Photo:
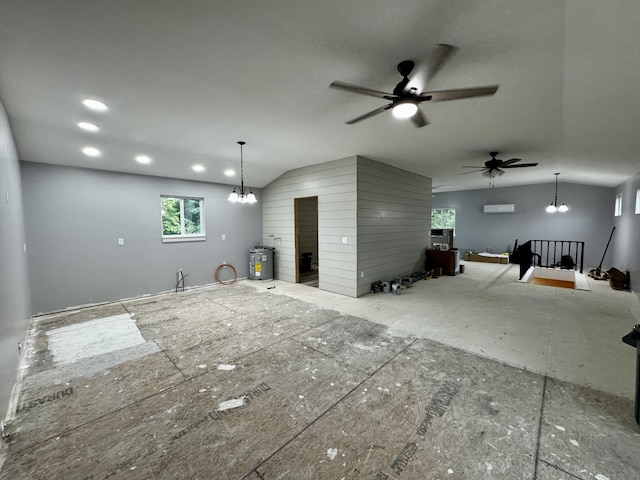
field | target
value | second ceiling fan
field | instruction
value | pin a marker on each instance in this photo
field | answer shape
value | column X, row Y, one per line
column 494, row 167
column 405, row 100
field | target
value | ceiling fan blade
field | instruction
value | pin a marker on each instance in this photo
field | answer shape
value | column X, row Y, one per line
column 520, row 165
column 471, row 171
column 441, row 56
column 509, row 162
column 419, row 120
column 362, row 90
column 456, row 94
column 472, row 166
column 370, row 114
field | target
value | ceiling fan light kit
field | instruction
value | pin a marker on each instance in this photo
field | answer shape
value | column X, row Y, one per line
column 405, row 101
column 404, row 110
column 554, row 207
column 242, row 194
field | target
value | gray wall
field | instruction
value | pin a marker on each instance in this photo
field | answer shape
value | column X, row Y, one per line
column 14, row 283
column 334, row 183
column 625, row 245
column 74, row 218
column 590, row 218
column 394, row 215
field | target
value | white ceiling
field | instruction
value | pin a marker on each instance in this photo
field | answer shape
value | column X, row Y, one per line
column 185, row 80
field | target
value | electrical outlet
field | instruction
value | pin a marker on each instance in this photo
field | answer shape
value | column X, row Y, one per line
column 121, row 241
column 361, row 274
column 344, row 240
column 223, row 237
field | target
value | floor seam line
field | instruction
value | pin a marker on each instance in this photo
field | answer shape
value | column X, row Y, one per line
column 172, row 362
column 331, row 407
column 537, row 455
column 561, row 469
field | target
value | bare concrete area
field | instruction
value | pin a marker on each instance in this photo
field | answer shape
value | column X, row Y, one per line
column 246, row 382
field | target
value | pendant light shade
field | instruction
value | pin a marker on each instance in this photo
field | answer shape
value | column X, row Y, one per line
column 554, row 207
column 242, row 194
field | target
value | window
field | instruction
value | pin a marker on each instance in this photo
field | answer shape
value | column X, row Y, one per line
column 182, row 219
column 638, row 201
column 618, row 208
column 443, row 218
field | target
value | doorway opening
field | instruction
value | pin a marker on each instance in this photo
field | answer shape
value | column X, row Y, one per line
column 306, row 227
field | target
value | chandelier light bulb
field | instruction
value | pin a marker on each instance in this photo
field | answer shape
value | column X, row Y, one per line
column 233, row 196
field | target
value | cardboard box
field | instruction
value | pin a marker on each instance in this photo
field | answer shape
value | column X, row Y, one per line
column 618, row 280
column 474, row 257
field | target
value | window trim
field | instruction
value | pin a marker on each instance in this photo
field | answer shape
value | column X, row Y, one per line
column 184, row 237
column 444, row 208
column 638, row 201
column 617, row 209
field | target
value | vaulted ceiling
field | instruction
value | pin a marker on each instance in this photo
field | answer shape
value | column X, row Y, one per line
column 184, row 81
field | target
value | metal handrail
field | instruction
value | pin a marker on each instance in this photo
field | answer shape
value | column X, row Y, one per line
column 554, row 250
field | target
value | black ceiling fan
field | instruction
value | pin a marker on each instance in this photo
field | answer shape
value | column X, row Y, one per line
column 495, row 167
column 405, row 100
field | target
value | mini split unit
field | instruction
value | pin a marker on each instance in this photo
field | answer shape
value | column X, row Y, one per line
column 502, row 208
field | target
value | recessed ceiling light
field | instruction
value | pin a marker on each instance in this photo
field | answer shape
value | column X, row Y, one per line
column 198, row 168
column 95, row 105
column 89, row 127
column 229, row 172
column 143, row 159
column 91, row 152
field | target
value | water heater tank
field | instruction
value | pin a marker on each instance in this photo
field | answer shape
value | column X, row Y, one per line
column 261, row 263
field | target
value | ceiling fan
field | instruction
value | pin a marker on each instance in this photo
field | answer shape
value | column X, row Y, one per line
column 405, row 100
column 494, row 167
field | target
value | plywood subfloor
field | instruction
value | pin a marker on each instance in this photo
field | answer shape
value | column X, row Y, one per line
column 316, row 395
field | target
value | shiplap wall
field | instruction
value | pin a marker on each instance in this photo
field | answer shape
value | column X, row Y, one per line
column 393, row 219
column 334, row 183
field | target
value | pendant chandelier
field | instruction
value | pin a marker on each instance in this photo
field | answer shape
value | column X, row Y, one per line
column 242, row 194
column 554, row 205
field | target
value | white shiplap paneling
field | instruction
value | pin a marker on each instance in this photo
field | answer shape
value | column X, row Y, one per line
column 393, row 217
column 383, row 213
column 334, row 183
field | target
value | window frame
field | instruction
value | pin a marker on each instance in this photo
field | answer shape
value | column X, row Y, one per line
column 183, row 236
column 440, row 227
column 617, row 209
column 638, row 201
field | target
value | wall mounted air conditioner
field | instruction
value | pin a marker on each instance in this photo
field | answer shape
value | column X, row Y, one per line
column 501, row 208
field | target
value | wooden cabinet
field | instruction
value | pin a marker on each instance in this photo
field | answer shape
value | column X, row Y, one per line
column 448, row 260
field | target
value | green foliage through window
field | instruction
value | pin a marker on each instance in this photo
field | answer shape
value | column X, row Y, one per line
column 443, row 218
column 182, row 216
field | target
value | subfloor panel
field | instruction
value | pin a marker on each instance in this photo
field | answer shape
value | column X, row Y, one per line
column 231, row 383
column 431, row 412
